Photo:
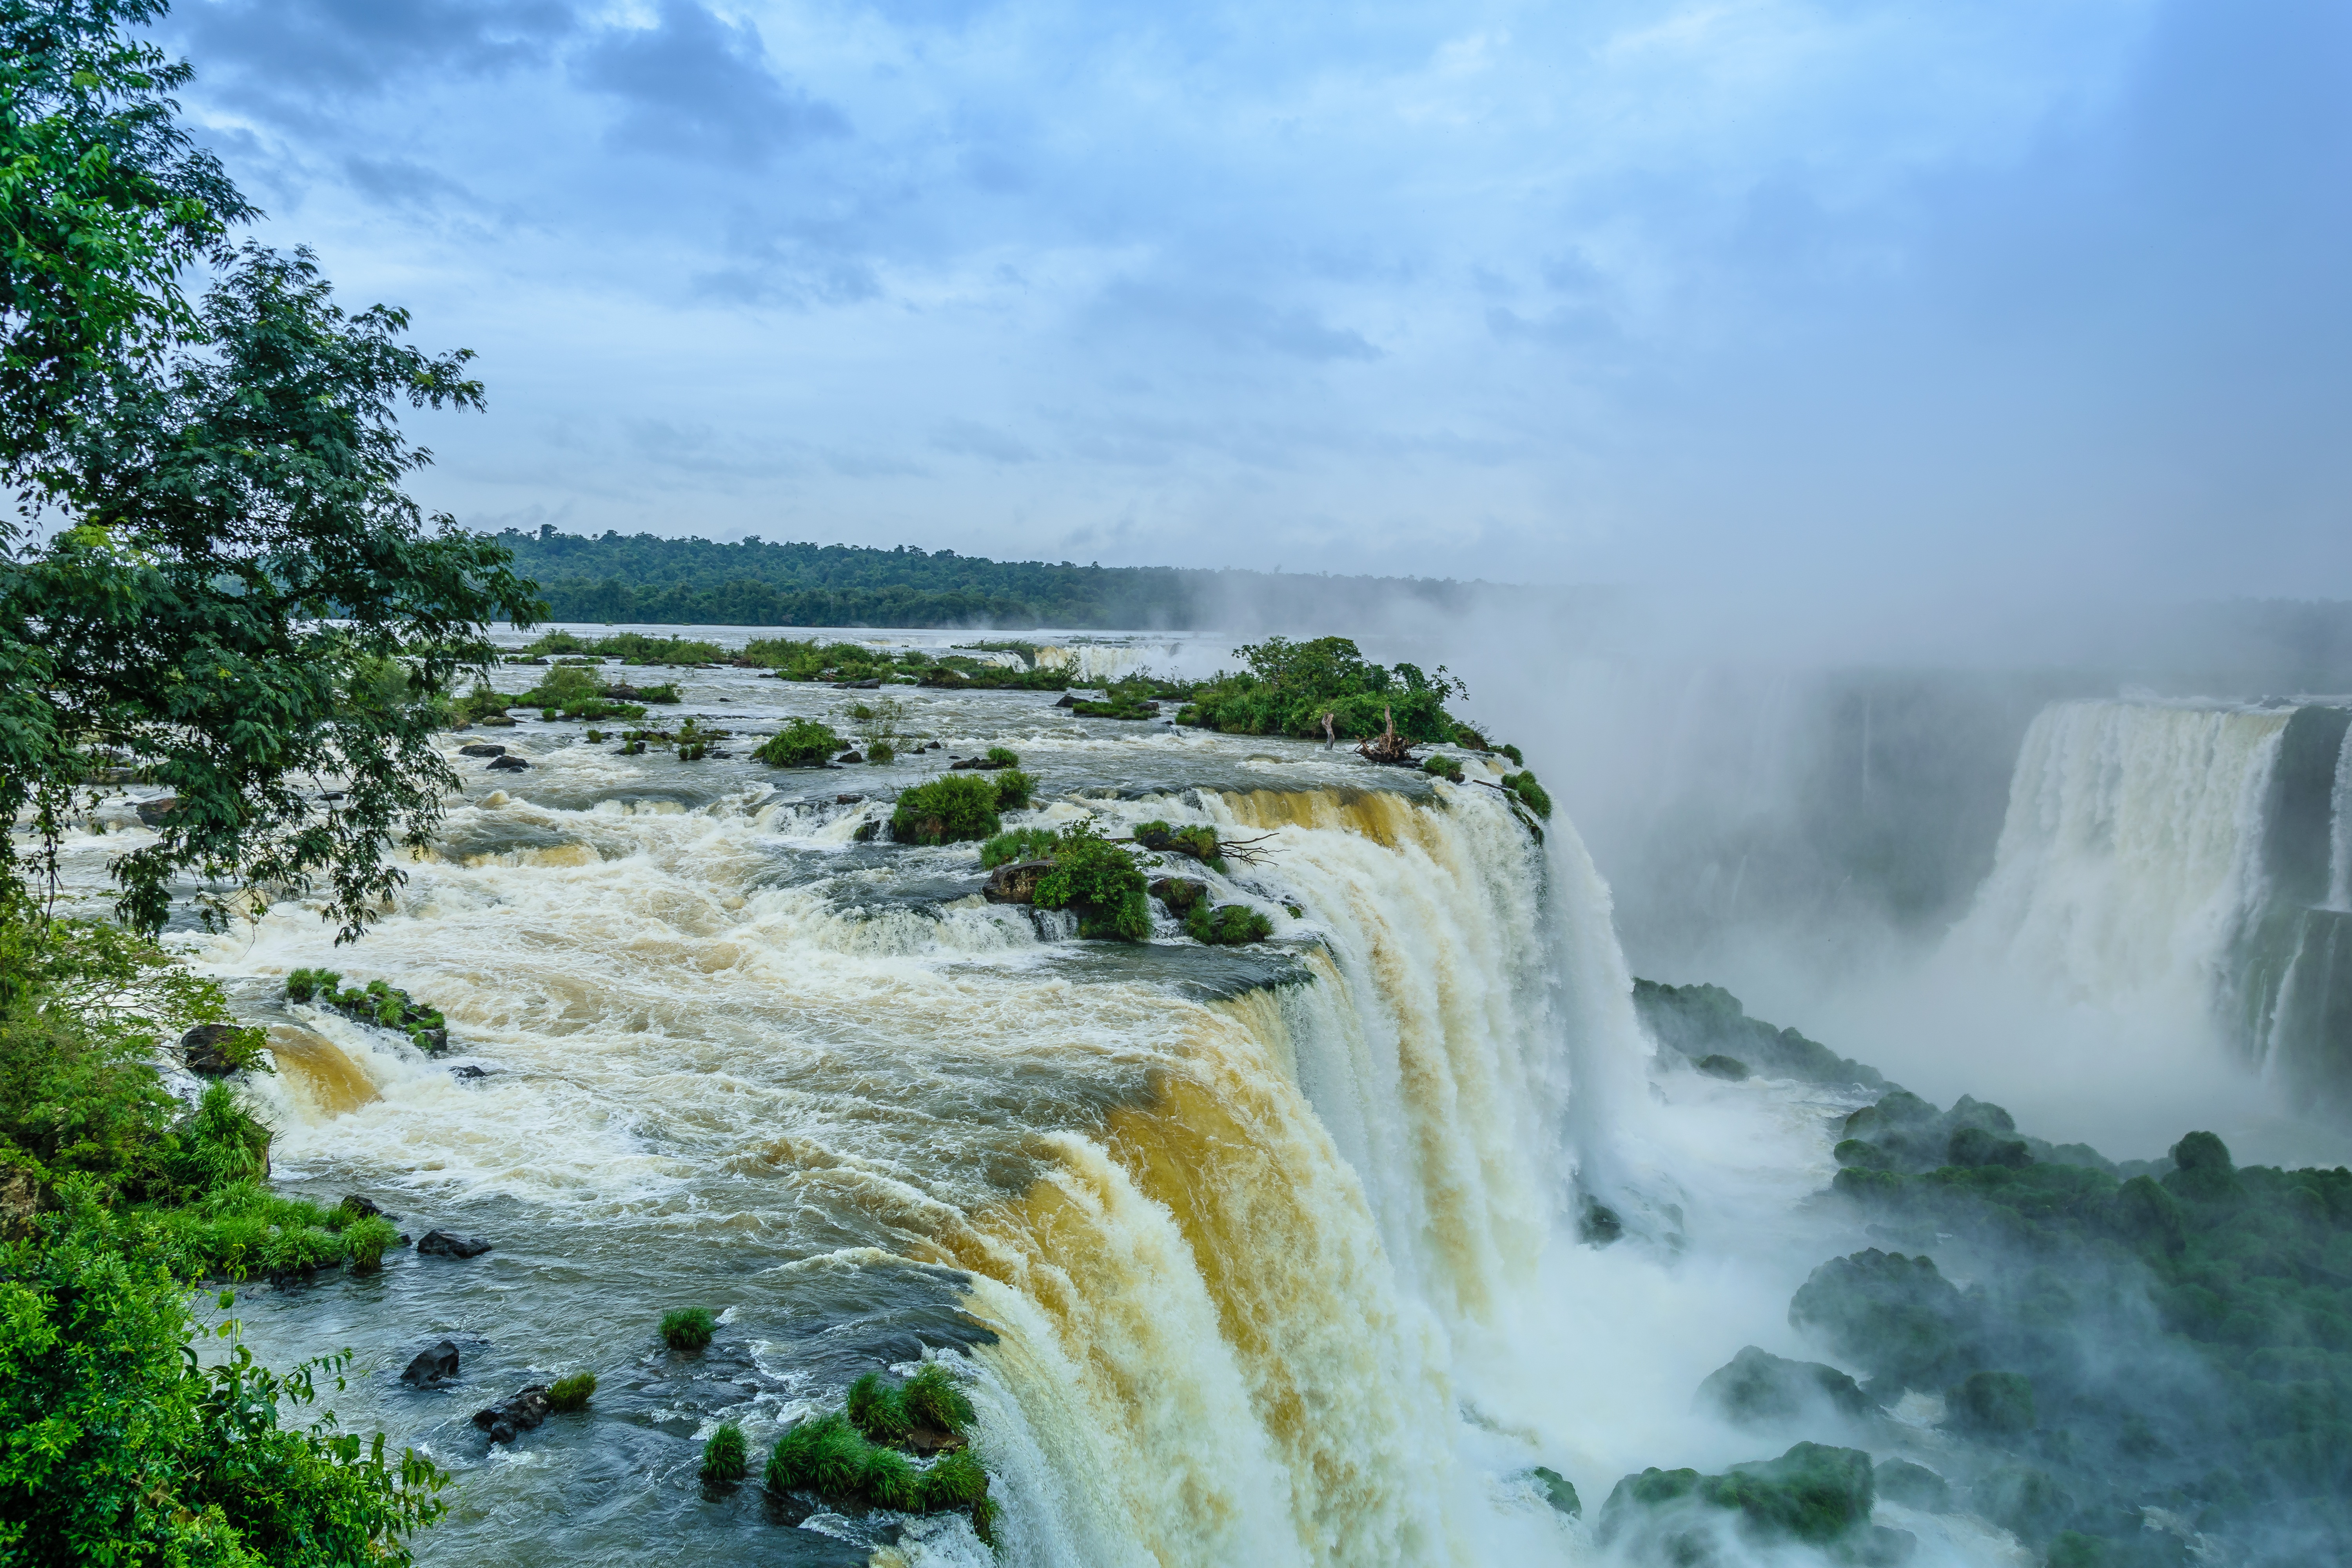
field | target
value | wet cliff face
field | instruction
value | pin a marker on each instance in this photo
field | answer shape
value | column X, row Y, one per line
column 1214, row 1229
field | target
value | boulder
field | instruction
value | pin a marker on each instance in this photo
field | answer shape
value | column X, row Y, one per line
column 206, row 1049
column 467, row 1069
column 1178, row 893
column 1727, row 1068
column 1757, row 1387
column 362, row 1208
column 496, row 722
column 508, row 764
column 482, row 749
column 852, row 757
column 432, row 1042
column 154, row 812
column 1017, row 883
column 509, row 1418
column 847, row 799
column 1067, row 702
column 448, row 1244
column 1895, row 1316
column 1558, row 1491
column 1912, row 1485
column 434, row 1363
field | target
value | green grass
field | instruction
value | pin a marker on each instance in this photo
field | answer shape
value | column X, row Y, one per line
column 1227, row 925
column 1446, row 768
column 852, row 1452
column 879, row 1409
column 572, row 1391
column 689, row 1329
column 1523, row 785
column 1100, row 881
column 952, row 810
column 725, row 1457
column 803, row 744
column 932, row 1399
column 1020, row 844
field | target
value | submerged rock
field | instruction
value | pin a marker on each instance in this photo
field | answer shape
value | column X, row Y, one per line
column 1758, row 1387
column 447, row 1244
column 509, row 1419
column 436, row 1363
column 364, row 1208
column 155, row 813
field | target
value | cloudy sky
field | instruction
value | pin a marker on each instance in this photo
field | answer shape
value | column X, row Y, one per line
column 1748, row 291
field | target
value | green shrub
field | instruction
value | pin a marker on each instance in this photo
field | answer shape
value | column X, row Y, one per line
column 724, row 1456
column 665, row 692
column 301, row 984
column 881, row 752
column 1020, row 844
column 365, row 1241
column 480, row 703
column 1513, row 752
column 1227, row 925
column 932, row 1399
column 1523, row 785
column 1001, row 757
column 1100, row 881
column 1290, row 686
column 572, row 1391
column 803, row 744
column 1013, row 789
column 689, row 1329
column 632, row 648
column 951, row 810
column 1447, row 768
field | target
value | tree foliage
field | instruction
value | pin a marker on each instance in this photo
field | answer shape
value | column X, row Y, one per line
column 1292, row 688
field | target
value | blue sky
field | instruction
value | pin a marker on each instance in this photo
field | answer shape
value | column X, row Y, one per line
column 1758, row 293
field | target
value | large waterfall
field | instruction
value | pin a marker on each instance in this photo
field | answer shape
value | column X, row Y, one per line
column 1227, row 1238
column 2185, row 856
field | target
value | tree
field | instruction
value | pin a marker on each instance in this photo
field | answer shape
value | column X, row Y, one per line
column 236, row 595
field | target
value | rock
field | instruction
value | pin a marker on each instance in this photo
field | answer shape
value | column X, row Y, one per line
column 1990, row 1404
column 622, row 692
column 447, row 1244
column 204, row 1048
column 1893, row 1315
column 1067, row 702
column 1813, row 1493
column 2028, row 1502
column 928, row 1441
column 1757, row 1387
column 432, row 1042
column 508, row 764
column 1722, row 1066
column 1598, row 1223
column 1017, row 883
column 847, row 799
column 853, row 757
column 363, row 1207
column 436, row 1363
column 1178, row 893
column 507, row 1419
column 496, row 722
column 154, row 812
column 934, row 746
column 482, row 749
column 1912, row 1485
column 22, row 1200
column 467, row 1069
column 1558, row 1491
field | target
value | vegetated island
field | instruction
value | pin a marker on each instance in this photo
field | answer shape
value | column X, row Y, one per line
column 646, row 578
column 2151, row 1366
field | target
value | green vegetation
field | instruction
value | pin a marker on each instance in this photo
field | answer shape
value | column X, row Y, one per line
column 726, row 1458
column 1450, row 769
column 1013, row 790
column 1813, row 1493
column 1227, row 925
column 376, row 1002
column 1099, row 881
column 803, row 744
column 951, row 810
column 1702, row 1021
column 629, row 648
column 689, row 1329
column 1133, row 698
column 571, row 1391
column 1001, row 757
column 960, row 672
column 1523, row 785
column 855, row 1454
column 697, row 581
column 1021, row 843
column 1199, row 841
column 1291, row 688
column 571, row 692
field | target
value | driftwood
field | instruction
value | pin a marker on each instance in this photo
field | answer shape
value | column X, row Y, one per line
column 1246, row 850
column 1388, row 746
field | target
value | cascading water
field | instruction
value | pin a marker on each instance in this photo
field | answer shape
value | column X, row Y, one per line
column 1213, row 1229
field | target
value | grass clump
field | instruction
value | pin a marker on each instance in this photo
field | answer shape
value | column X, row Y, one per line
column 572, row 1391
column 1001, row 757
column 1531, row 794
column 855, row 1453
column 1199, row 841
column 932, row 1399
column 1130, row 699
column 725, row 1457
column 803, row 744
column 1227, row 925
column 1013, row 789
column 384, row 1006
column 1446, row 768
column 1020, row 844
column 951, row 810
column 689, row 1329
column 1099, row 881
column 879, row 1409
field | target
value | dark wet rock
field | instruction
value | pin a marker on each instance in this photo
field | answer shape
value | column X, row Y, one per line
column 448, row 1244
column 1559, row 1491
column 331, row 794
column 510, row 1417
column 1706, row 1020
column 929, row 1441
column 482, row 749
column 1912, row 1485
column 155, row 813
column 1757, row 1387
column 1727, row 1068
column 364, row 1208
column 206, row 1049
column 466, row 1070
column 847, row 799
column 432, row 1042
column 1598, row 1223
column 1178, row 893
column 508, row 764
column 1067, row 702
column 433, row 1364
column 1017, row 883
column 853, row 757
column 984, row 765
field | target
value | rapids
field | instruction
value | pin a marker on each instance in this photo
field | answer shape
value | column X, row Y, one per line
column 1225, row 1241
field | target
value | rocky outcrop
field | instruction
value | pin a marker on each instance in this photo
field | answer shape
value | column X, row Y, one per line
column 448, row 1244
column 482, row 749
column 510, row 764
column 215, row 1050
column 509, row 1419
column 433, row 1364
column 1758, row 1388
column 1017, row 883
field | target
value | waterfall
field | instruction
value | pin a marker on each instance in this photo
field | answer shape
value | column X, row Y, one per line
column 2130, row 860
column 2339, row 845
column 1230, row 1243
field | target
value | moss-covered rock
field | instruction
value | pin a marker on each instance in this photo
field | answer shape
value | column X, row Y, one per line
column 1758, row 1388
column 1990, row 1404
column 1729, row 1068
column 1814, row 1494
column 1558, row 1491
column 1701, row 1021
column 1897, row 1316
column 1912, row 1485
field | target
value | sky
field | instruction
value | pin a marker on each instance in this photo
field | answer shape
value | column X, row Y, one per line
column 1762, row 295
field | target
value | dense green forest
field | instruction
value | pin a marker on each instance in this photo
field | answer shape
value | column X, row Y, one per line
column 693, row 582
